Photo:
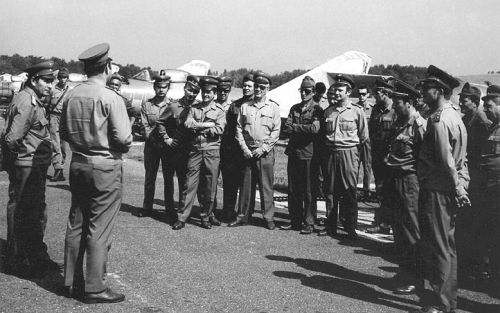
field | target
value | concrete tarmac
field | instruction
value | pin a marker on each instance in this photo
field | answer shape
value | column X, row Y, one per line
column 244, row 269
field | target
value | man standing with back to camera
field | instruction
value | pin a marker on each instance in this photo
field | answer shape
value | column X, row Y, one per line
column 95, row 123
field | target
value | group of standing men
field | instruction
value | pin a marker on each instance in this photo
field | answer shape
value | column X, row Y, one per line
column 418, row 159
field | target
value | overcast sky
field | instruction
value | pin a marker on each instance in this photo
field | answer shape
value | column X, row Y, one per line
column 462, row 37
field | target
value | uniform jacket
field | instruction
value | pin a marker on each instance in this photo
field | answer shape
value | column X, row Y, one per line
column 27, row 130
column 206, row 138
column 344, row 127
column 56, row 103
column 367, row 108
column 405, row 142
column 442, row 163
column 477, row 126
column 170, row 124
column 379, row 127
column 302, row 127
column 150, row 112
column 228, row 141
column 258, row 125
column 94, row 122
column 490, row 153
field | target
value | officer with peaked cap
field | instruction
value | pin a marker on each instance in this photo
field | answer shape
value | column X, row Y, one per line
column 343, row 129
column 405, row 141
column 257, row 131
column 55, row 109
column 224, row 86
column 177, row 142
column 379, row 126
column 443, row 178
column 151, row 110
column 477, row 126
column 231, row 155
column 302, row 127
column 490, row 164
column 206, row 120
column 27, row 150
column 94, row 122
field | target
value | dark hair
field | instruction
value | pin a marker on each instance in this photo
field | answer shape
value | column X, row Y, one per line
column 94, row 69
column 363, row 86
column 320, row 87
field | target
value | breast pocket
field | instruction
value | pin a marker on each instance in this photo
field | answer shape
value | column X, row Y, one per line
column 211, row 116
column 347, row 124
column 40, row 123
column 402, row 144
column 152, row 119
column 494, row 144
column 386, row 123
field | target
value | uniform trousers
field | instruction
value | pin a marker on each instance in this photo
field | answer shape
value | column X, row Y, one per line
column 437, row 216
column 380, row 171
column 59, row 146
column 365, row 162
column 259, row 171
column 96, row 197
column 26, row 214
column 490, row 218
column 300, row 191
column 153, row 154
column 201, row 180
column 341, row 177
column 404, row 207
column 175, row 164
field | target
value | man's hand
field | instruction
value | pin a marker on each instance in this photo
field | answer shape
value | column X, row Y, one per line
column 463, row 201
column 170, row 142
column 247, row 154
column 257, row 153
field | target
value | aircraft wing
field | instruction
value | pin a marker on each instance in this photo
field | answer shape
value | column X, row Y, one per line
column 196, row 67
column 351, row 62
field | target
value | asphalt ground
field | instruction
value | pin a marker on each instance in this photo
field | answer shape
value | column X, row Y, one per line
column 244, row 269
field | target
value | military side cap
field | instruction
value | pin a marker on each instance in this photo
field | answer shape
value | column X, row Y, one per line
column 193, row 82
column 208, row 82
column 224, row 82
column 44, row 68
column 493, row 91
column 162, row 79
column 402, row 89
column 468, row 90
column 308, row 82
column 262, row 78
column 439, row 78
column 384, row 84
column 96, row 55
column 343, row 80
column 248, row 77
column 63, row 72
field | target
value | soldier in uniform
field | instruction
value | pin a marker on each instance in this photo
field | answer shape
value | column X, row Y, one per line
column 115, row 83
column 27, row 150
column 223, row 89
column 404, row 145
column 177, row 140
column 257, row 131
column 365, row 157
column 344, row 129
column 319, row 95
column 231, row 155
column 379, row 127
column 55, row 109
column 302, row 126
column 206, row 120
column 443, row 179
column 490, row 165
column 95, row 124
column 468, row 222
column 154, row 151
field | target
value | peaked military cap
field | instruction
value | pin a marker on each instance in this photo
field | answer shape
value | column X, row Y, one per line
column 403, row 90
column 161, row 79
column 96, row 55
column 262, row 78
column 208, row 82
column 193, row 82
column 492, row 92
column 344, row 80
column 468, row 90
column 224, row 82
column 63, row 72
column 439, row 78
column 308, row 82
column 116, row 76
column 248, row 77
column 383, row 83
column 44, row 69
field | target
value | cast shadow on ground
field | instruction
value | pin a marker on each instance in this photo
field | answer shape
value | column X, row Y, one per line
column 59, row 186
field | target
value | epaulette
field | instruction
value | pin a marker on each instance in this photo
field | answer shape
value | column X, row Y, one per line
column 420, row 121
column 456, row 107
column 33, row 100
column 220, row 106
column 271, row 100
column 358, row 105
column 436, row 116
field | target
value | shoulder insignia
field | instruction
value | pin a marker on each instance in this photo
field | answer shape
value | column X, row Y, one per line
column 436, row 116
column 33, row 100
column 357, row 105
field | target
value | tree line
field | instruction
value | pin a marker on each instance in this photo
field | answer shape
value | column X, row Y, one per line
column 16, row 63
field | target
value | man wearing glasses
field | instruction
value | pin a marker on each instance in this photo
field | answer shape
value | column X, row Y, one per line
column 365, row 155
column 257, row 132
column 302, row 126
